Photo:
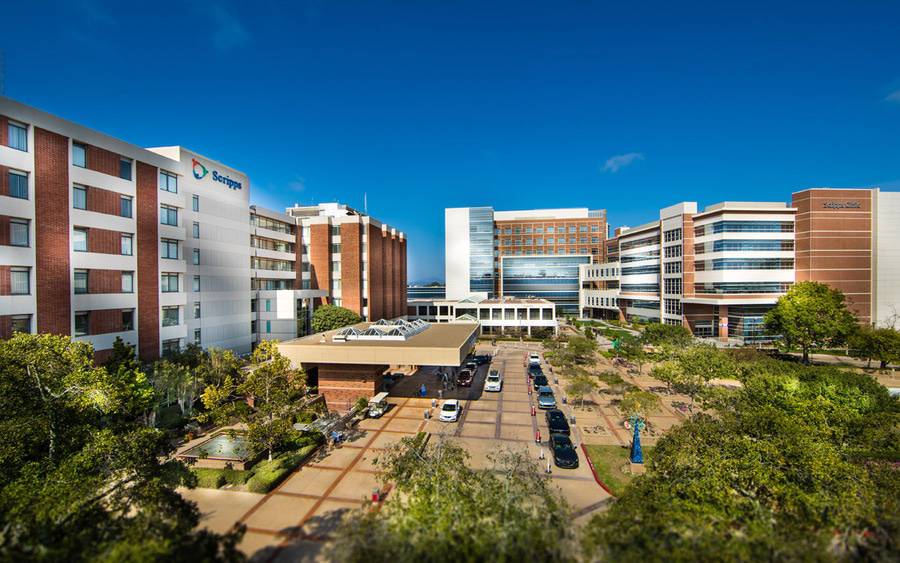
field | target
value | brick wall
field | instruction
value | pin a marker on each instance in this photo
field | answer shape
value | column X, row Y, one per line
column 5, row 282
column 4, row 130
column 105, row 321
column 376, row 274
column 102, row 160
column 398, row 308
column 51, row 209
column 342, row 383
column 104, row 241
column 104, row 281
column 320, row 256
column 4, row 178
column 298, row 257
column 403, row 280
column 4, row 230
column 102, row 201
column 387, row 275
column 147, row 214
column 351, row 277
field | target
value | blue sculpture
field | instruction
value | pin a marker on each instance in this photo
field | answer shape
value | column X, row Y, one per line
column 637, row 454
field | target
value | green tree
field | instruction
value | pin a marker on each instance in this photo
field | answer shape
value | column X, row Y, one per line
column 179, row 381
column 631, row 348
column 639, row 403
column 788, row 469
column 658, row 334
column 80, row 477
column 580, row 386
column 330, row 317
column 443, row 510
column 693, row 368
column 880, row 344
column 811, row 315
column 275, row 389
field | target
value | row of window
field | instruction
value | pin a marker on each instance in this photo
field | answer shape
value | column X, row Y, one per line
column 602, row 302
column 672, row 235
column 170, row 282
column 745, row 227
column 734, row 245
column 636, row 270
column 271, row 244
column 550, row 251
column 672, row 286
column 17, row 136
column 79, row 201
column 548, row 229
column 271, row 224
column 640, row 288
column 81, row 284
column 648, row 255
column 672, row 306
column 672, row 267
column 746, row 264
column 672, row 251
column 271, row 264
column 549, row 241
column 17, row 183
column 647, row 241
column 83, row 321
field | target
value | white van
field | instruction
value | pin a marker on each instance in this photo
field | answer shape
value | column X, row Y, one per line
column 534, row 359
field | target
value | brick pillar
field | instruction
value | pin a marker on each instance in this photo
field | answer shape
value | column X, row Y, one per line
column 376, row 274
column 147, row 216
column 351, row 277
column 387, row 294
column 399, row 308
column 320, row 257
column 403, row 283
column 51, row 215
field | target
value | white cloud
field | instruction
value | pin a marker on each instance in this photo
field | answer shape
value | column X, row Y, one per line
column 893, row 97
column 229, row 32
column 298, row 184
column 614, row 163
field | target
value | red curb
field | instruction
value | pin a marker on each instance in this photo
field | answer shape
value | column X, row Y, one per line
column 594, row 472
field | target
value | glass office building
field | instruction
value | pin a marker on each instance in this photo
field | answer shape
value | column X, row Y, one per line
column 554, row 278
column 481, row 250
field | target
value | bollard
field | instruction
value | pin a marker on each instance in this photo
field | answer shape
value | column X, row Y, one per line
column 533, row 412
column 542, row 454
column 548, row 468
column 529, row 389
column 433, row 403
column 427, row 414
column 537, row 436
column 376, row 495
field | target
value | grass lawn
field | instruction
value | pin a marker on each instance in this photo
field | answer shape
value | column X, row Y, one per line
column 261, row 478
column 609, row 462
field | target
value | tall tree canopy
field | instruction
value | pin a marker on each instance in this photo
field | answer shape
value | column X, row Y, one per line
column 798, row 464
column 80, row 476
column 811, row 315
column 331, row 317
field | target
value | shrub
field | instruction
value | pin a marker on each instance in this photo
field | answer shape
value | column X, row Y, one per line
column 268, row 474
column 208, row 478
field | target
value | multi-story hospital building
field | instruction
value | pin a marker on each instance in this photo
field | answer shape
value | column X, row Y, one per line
column 101, row 239
column 719, row 270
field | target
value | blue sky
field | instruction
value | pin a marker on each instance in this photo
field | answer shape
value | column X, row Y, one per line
column 627, row 106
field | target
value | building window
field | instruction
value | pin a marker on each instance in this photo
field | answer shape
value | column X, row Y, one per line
column 195, row 257
column 81, row 324
column 79, row 197
column 20, row 323
column 197, row 336
column 18, row 136
column 170, row 316
column 19, row 232
column 335, row 285
column 335, row 248
column 305, row 284
column 168, row 215
column 81, row 281
column 196, row 309
column 196, row 230
column 169, row 283
column 128, row 319
column 195, row 203
column 268, row 305
column 168, row 249
column 672, row 251
column 80, row 240
column 168, row 182
column 125, row 168
column 336, row 267
column 196, row 284
column 171, row 347
column 79, row 155
column 268, row 326
column 127, row 282
column 125, row 206
column 18, row 185
column 335, row 230
column 19, row 281
column 127, row 245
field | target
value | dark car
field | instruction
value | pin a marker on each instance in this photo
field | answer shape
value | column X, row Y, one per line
column 556, row 422
column 540, row 381
column 535, row 370
column 564, row 454
column 482, row 359
column 464, row 379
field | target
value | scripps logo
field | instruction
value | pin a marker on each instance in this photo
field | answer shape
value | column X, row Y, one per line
column 200, row 171
column 842, row 205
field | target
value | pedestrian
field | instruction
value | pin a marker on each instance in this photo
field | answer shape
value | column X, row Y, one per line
column 423, row 390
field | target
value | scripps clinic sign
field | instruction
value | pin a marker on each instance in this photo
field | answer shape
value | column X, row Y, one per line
column 842, row 205
column 201, row 172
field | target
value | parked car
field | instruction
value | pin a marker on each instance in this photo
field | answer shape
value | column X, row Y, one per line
column 482, row 359
column 494, row 381
column 557, row 423
column 535, row 370
column 472, row 366
column 464, row 379
column 540, row 381
column 564, row 454
column 450, row 411
column 534, row 359
column 546, row 400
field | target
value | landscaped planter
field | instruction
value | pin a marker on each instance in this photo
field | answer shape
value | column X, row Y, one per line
column 221, row 450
